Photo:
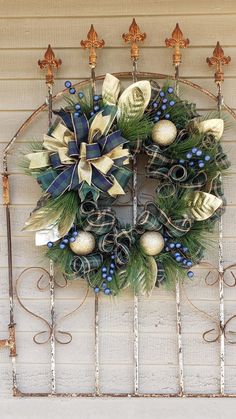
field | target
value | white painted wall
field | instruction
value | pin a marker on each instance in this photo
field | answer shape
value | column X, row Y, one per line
column 26, row 27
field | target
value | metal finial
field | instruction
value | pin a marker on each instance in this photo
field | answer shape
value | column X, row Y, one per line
column 134, row 36
column 218, row 60
column 49, row 62
column 92, row 42
column 177, row 41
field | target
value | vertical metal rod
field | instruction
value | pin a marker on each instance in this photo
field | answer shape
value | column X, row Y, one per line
column 93, row 82
column 179, row 335
column 136, row 301
column 97, row 366
column 221, row 279
column 177, row 295
column 52, row 273
column 11, row 326
column 96, row 301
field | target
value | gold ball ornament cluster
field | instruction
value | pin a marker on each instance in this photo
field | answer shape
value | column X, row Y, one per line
column 164, row 132
column 152, row 243
column 84, row 243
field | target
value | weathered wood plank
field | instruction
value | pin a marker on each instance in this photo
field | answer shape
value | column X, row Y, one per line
column 29, row 94
column 107, row 8
column 32, row 33
column 74, row 62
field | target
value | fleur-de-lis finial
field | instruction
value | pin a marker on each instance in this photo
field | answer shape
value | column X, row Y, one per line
column 134, row 36
column 177, row 41
column 92, row 42
column 218, row 60
column 49, row 62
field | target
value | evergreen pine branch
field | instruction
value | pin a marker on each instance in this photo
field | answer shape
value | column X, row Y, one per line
column 136, row 128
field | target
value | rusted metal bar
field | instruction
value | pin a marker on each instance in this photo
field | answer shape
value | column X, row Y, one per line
column 49, row 63
column 136, row 300
column 10, row 342
column 177, row 42
column 131, row 395
column 133, row 37
column 96, row 337
column 218, row 60
column 92, row 43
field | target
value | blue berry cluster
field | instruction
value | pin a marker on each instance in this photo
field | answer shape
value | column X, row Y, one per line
column 64, row 241
column 107, row 273
column 162, row 105
column 179, row 252
column 195, row 157
column 96, row 107
column 77, row 106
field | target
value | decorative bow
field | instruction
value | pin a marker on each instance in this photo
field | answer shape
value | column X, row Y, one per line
column 82, row 156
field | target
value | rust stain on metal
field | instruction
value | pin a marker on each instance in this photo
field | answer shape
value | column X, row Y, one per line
column 49, row 63
column 18, row 393
column 92, row 43
column 134, row 36
column 5, row 186
column 10, row 342
column 218, row 60
column 177, row 42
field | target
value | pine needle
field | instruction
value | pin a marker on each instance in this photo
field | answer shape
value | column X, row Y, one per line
column 135, row 129
column 139, row 273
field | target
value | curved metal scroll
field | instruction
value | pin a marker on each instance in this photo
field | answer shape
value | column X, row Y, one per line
column 51, row 328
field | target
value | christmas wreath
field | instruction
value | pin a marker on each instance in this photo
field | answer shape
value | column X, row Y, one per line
column 85, row 162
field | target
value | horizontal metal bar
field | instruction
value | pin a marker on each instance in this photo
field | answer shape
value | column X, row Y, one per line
column 128, row 395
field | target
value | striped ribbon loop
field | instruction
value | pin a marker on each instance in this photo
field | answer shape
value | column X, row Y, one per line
column 100, row 222
column 82, row 265
column 153, row 218
column 119, row 242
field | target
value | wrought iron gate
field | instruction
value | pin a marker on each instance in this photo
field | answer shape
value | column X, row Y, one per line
column 220, row 276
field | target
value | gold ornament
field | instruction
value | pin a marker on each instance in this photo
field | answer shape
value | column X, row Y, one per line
column 211, row 126
column 152, row 243
column 84, row 243
column 164, row 132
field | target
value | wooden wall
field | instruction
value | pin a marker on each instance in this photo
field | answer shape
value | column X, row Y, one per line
column 26, row 28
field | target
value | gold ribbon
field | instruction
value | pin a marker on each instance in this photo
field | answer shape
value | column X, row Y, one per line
column 61, row 136
column 59, row 143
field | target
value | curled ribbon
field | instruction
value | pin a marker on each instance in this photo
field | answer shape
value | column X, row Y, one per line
column 153, row 218
column 82, row 265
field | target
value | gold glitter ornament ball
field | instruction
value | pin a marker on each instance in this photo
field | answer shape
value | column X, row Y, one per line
column 84, row 243
column 152, row 243
column 164, row 132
